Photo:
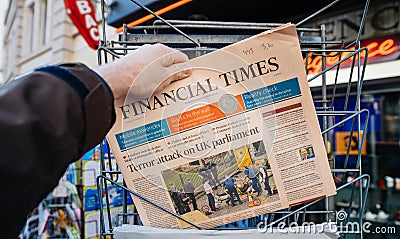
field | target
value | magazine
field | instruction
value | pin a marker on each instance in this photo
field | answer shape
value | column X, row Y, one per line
column 238, row 138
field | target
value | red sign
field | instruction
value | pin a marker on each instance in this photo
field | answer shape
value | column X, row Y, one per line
column 379, row 50
column 82, row 15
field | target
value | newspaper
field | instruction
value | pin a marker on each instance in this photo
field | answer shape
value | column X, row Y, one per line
column 236, row 139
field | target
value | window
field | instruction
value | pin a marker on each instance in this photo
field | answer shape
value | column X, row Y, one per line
column 44, row 21
column 31, row 19
column 36, row 27
column 391, row 118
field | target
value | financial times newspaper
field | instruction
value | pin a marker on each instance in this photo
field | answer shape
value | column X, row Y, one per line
column 236, row 139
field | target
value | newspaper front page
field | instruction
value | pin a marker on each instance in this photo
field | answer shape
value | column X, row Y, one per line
column 238, row 138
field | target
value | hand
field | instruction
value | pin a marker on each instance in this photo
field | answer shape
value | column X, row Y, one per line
column 147, row 70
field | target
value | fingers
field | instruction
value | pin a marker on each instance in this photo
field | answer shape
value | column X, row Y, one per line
column 174, row 57
column 150, row 69
column 178, row 71
column 175, row 72
column 175, row 63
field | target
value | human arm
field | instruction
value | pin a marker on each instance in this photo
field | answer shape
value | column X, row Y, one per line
column 48, row 119
column 53, row 115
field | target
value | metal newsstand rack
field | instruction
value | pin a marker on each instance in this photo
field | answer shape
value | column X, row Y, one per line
column 312, row 41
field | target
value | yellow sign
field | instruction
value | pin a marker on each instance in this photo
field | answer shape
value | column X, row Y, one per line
column 342, row 143
column 242, row 156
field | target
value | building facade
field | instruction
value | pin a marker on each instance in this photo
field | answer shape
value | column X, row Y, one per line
column 381, row 87
column 39, row 32
column 380, row 96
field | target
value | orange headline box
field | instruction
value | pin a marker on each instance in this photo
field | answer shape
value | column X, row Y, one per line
column 200, row 116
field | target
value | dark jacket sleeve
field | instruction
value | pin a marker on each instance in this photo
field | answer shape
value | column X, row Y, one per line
column 48, row 119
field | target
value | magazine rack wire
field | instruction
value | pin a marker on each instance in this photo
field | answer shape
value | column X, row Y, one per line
column 313, row 42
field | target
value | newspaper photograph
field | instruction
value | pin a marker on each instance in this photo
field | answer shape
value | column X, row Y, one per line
column 237, row 139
